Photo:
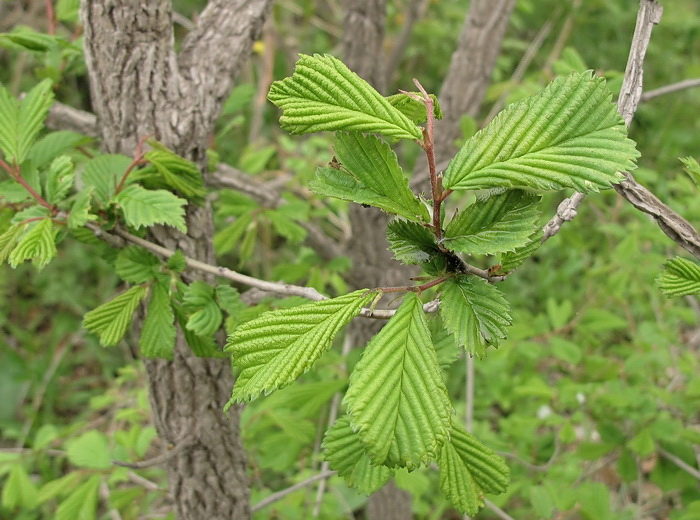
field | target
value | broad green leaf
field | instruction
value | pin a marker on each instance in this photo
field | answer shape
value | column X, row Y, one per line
column 397, row 399
column 81, row 504
column 158, row 332
column 38, row 244
column 205, row 317
column 468, row 470
column 286, row 227
column 13, row 192
column 26, row 38
column 104, row 173
column 90, row 450
column 21, row 123
column 344, row 452
column 143, row 208
column 570, row 135
column 136, row 265
column 80, row 210
column 8, row 240
column 276, row 348
column 201, row 346
column 31, row 214
column 177, row 262
column 18, row 491
column 681, row 277
column 414, row 109
column 59, row 179
column 229, row 299
column 172, row 171
column 374, row 165
column 54, row 145
column 411, row 243
column 229, row 238
column 58, row 487
column 496, row 224
column 67, row 10
column 475, row 312
column 111, row 320
column 513, row 259
column 323, row 94
column 692, row 168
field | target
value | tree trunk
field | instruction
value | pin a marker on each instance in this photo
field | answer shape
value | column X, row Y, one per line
column 140, row 87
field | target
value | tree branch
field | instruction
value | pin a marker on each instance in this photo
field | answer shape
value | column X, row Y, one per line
column 669, row 89
column 160, row 459
column 274, row 497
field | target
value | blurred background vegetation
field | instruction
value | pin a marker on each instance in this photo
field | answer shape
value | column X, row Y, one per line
column 594, row 398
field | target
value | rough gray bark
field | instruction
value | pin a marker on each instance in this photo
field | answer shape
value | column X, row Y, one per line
column 470, row 69
column 141, row 87
column 364, row 25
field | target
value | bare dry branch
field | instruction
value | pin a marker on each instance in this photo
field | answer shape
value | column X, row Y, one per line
column 279, row 495
column 181, row 446
column 670, row 89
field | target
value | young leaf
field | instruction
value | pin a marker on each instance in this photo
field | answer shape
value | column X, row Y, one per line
column 344, row 452
column 82, row 502
column 18, row 490
column 142, row 207
column 80, row 210
column 38, row 244
column 59, row 180
column 411, row 243
column 374, row 165
column 54, row 145
column 475, row 312
column 20, row 124
column 692, row 168
column 323, row 94
column 201, row 346
column 468, row 470
column 158, row 332
column 681, row 278
column 172, row 171
column 570, row 135
column 276, row 348
column 104, row 173
column 111, row 320
column 9, row 239
column 204, row 314
column 90, row 450
column 13, row 192
column 414, row 109
column 499, row 223
column 177, row 262
column 136, row 265
column 397, row 399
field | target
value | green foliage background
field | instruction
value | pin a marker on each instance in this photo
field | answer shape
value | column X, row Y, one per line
column 595, row 387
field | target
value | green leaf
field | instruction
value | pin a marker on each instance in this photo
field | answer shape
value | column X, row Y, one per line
column 397, row 399
column 468, row 470
column 513, row 259
column 111, row 320
column 286, row 227
column 692, row 168
column 496, row 224
column 158, row 332
column 59, row 180
column 58, row 487
column 570, row 135
column 9, row 239
column 13, row 192
column 29, row 39
column 104, row 173
column 204, row 314
column 475, row 312
column 173, row 171
column 90, row 450
column 374, row 166
column 54, row 145
column 80, row 210
column 81, row 504
column 276, row 348
column 201, row 346
column 142, row 207
column 411, row 243
column 229, row 238
column 177, row 262
column 20, row 124
column 323, row 94
column 18, row 490
column 344, row 452
column 414, row 109
column 681, row 278
column 38, row 244
column 136, row 265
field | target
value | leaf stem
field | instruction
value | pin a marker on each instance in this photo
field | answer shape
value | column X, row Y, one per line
column 415, row 288
column 138, row 160
column 15, row 173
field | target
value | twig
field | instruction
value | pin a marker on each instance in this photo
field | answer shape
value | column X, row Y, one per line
column 144, row 482
column 500, row 513
column 534, row 467
column 669, row 89
column 680, row 463
column 279, row 495
column 185, row 443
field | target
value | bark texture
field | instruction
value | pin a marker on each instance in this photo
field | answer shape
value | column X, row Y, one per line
column 141, row 87
column 471, row 68
column 364, row 25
